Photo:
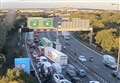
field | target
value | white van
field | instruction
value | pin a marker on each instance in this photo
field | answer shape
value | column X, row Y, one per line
column 66, row 35
column 109, row 61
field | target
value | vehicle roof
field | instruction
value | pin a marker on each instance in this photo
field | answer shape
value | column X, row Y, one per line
column 94, row 82
column 108, row 57
column 43, row 57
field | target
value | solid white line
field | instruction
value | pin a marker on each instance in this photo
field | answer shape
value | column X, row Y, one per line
column 87, row 46
column 31, row 59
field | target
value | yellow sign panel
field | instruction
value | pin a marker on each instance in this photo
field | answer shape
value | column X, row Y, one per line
column 76, row 24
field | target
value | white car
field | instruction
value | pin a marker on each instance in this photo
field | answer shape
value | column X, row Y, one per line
column 94, row 82
column 58, row 78
column 35, row 54
column 82, row 58
column 65, row 81
column 109, row 61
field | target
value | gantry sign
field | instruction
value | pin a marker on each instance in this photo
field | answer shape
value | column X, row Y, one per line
column 40, row 23
column 49, row 24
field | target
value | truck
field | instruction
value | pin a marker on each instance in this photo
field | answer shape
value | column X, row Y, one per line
column 57, row 46
column 45, row 42
column 109, row 61
column 56, row 56
column 30, row 37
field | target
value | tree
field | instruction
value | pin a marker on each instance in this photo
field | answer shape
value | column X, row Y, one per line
column 17, row 76
column 3, row 33
column 107, row 39
column 6, row 25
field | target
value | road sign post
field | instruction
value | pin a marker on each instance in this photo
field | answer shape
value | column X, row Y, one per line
column 57, row 25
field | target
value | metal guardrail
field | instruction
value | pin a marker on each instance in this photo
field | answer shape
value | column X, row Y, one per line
column 31, row 59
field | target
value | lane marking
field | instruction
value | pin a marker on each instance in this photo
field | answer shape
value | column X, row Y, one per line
column 86, row 46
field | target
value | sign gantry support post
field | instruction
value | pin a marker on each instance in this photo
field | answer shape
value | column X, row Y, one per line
column 91, row 37
column 118, row 58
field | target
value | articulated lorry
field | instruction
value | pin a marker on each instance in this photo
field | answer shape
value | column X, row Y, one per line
column 56, row 56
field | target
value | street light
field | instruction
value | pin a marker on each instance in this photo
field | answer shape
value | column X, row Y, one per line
column 57, row 32
column 20, row 33
column 90, row 39
column 118, row 59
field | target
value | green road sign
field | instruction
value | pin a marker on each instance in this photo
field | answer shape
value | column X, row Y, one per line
column 40, row 23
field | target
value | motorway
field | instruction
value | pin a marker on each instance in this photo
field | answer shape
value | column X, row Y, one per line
column 97, row 68
column 71, row 61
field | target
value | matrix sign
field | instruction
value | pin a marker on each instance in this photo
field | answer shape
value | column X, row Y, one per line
column 39, row 23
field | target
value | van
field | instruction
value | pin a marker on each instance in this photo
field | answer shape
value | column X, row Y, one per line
column 109, row 61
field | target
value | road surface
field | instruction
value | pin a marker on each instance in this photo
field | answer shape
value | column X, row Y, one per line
column 97, row 66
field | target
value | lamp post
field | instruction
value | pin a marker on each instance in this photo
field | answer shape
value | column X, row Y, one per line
column 57, row 33
column 118, row 58
column 57, row 25
column 20, row 34
column 90, row 39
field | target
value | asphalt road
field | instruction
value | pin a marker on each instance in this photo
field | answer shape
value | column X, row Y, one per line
column 97, row 66
column 73, row 62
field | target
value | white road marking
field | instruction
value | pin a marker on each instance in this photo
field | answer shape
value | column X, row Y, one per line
column 87, row 46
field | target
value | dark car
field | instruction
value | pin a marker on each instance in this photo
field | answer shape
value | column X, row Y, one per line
column 116, row 74
column 82, row 73
column 71, row 72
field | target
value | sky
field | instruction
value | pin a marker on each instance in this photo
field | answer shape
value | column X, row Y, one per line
column 91, row 4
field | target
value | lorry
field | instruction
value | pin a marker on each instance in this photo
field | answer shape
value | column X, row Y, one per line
column 56, row 56
column 30, row 37
column 57, row 46
column 45, row 42
column 109, row 61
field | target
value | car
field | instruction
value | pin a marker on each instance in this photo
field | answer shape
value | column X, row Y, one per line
column 64, row 47
column 82, row 58
column 66, row 37
column 34, row 54
column 57, row 68
column 59, row 78
column 70, row 70
column 82, row 73
column 65, row 81
column 116, row 74
column 94, row 82
column 72, row 73
column 109, row 61
column 66, row 43
column 43, row 59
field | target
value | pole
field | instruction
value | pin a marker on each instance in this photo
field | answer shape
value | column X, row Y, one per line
column 57, row 36
column 118, row 58
column 90, row 39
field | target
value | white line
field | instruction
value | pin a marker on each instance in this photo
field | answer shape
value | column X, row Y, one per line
column 87, row 46
column 31, row 58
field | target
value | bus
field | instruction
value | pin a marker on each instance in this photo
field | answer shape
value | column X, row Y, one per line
column 45, row 42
